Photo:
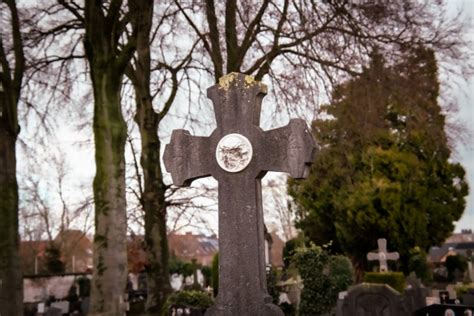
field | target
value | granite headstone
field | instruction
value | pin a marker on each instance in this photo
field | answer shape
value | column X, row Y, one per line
column 238, row 154
column 372, row 299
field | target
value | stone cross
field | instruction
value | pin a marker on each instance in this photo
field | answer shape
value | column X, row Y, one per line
column 238, row 154
column 382, row 255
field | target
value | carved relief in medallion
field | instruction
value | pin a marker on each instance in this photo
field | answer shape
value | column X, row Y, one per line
column 234, row 152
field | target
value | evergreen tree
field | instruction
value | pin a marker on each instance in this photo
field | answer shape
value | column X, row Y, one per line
column 383, row 169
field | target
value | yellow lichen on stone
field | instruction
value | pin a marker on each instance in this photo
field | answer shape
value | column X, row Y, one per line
column 225, row 81
column 249, row 81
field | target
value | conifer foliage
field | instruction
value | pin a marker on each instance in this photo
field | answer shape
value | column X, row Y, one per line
column 384, row 168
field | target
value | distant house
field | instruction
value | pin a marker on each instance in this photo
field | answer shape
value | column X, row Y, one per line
column 189, row 246
column 185, row 247
column 32, row 255
column 74, row 246
column 135, row 254
column 456, row 244
column 76, row 250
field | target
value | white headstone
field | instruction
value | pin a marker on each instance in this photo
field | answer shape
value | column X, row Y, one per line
column 41, row 308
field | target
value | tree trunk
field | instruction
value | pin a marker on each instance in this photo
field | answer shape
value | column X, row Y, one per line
column 153, row 195
column 110, row 246
column 156, row 240
column 11, row 281
column 108, row 58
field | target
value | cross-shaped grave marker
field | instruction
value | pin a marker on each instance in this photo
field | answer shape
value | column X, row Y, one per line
column 382, row 255
column 238, row 154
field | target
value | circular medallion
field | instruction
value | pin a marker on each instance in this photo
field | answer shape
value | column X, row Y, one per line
column 234, row 152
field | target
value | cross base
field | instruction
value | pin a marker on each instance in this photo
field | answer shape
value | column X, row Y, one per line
column 264, row 309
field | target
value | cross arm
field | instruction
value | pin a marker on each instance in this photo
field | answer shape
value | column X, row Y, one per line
column 187, row 157
column 393, row 256
column 294, row 142
column 373, row 256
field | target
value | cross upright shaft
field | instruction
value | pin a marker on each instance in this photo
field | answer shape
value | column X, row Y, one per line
column 238, row 154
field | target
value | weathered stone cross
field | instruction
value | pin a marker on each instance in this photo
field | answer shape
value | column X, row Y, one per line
column 238, row 154
column 382, row 255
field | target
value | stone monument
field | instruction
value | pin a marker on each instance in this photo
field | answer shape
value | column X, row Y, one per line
column 382, row 255
column 367, row 299
column 238, row 154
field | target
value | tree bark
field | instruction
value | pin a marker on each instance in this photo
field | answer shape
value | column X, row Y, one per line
column 110, row 247
column 154, row 206
column 11, row 279
column 107, row 66
column 153, row 196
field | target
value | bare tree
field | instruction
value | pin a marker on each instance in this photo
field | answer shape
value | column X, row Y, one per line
column 279, row 208
column 152, row 195
column 303, row 47
column 105, row 27
column 12, row 65
column 47, row 206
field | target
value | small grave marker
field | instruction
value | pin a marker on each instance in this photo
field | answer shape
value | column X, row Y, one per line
column 41, row 308
column 382, row 255
column 238, row 154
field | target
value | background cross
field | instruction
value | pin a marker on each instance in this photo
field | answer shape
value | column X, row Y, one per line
column 237, row 103
column 382, row 255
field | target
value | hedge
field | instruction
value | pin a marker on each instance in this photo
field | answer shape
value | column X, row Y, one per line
column 395, row 279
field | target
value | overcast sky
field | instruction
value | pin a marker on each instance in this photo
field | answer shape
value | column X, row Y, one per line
column 81, row 160
column 465, row 99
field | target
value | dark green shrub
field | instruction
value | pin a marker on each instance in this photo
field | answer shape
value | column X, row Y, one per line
column 206, row 273
column 454, row 263
column 136, row 308
column 289, row 250
column 418, row 263
column 287, row 309
column 324, row 276
column 464, row 289
column 193, row 299
column 395, row 279
column 84, row 286
column 53, row 259
column 192, row 287
column 342, row 273
column 177, row 266
column 215, row 274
